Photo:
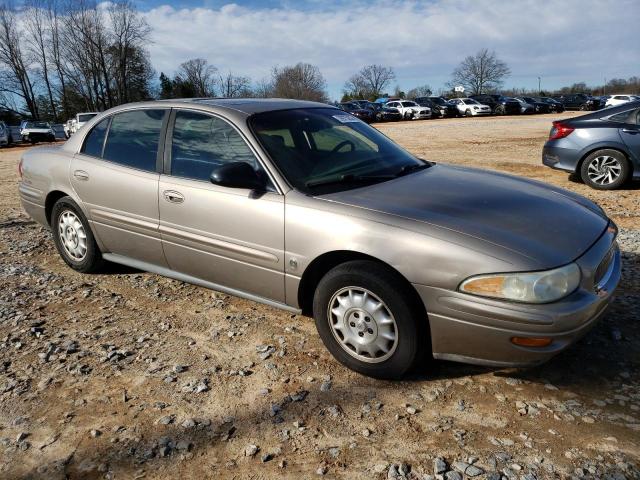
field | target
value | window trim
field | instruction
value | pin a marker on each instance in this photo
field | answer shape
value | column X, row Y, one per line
column 165, row 168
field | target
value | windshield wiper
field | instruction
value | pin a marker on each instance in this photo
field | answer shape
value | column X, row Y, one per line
column 414, row 167
column 348, row 178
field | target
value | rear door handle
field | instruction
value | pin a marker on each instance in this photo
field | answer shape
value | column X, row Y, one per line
column 173, row 196
column 630, row 130
column 81, row 175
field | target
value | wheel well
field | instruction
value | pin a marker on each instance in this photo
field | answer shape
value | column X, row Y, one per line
column 51, row 200
column 327, row 261
column 584, row 157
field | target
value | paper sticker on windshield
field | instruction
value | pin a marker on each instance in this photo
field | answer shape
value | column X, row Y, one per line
column 346, row 118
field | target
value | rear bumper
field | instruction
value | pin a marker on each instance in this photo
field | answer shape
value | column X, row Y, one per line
column 560, row 157
column 478, row 330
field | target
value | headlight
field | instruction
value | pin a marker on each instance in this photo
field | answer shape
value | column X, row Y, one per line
column 476, row 108
column 533, row 287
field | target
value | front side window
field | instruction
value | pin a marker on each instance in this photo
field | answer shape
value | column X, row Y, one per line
column 202, row 142
column 94, row 142
column 133, row 139
column 331, row 150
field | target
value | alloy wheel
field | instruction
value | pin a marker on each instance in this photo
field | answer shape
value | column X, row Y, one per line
column 604, row 170
column 72, row 235
column 362, row 324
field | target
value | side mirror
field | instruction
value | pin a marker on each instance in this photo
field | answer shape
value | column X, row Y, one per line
column 237, row 175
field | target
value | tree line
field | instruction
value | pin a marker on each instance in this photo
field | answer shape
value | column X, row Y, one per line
column 60, row 57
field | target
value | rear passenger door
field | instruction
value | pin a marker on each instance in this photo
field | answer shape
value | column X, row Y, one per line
column 231, row 237
column 630, row 133
column 116, row 177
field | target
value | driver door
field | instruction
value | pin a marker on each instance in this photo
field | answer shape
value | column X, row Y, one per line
column 228, row 236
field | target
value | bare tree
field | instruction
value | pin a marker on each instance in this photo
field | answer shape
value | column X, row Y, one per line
column 233, row 86
column 302, row 81
column 370, row 82
column 200, row 76
column 480, row 73
column 421, row 91
column 263, row 88
column 16, row 80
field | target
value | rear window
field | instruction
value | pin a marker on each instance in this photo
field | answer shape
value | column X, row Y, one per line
column 86, row 117
column 133, row 139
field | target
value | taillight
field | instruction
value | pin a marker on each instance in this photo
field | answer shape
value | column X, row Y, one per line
column 559, row 130
column 20, row 170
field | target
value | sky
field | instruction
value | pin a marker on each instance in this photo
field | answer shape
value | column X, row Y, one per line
column 423, row 40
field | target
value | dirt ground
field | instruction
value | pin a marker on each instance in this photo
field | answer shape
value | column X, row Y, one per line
column 128, row 375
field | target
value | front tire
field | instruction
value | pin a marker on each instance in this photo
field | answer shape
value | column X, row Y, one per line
column 367, row 320
column 468, row 113
column 605, row 170
column 73, row 237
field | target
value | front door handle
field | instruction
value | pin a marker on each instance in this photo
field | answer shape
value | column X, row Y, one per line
column 81, row 175
column 173, row 196
column 630, row 130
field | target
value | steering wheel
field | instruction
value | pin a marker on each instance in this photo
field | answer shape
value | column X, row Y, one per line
column 343, row 144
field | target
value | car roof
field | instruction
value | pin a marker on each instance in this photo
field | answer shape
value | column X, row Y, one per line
column 249, row 105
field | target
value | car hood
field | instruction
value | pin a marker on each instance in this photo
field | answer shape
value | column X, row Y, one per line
column 548, row 225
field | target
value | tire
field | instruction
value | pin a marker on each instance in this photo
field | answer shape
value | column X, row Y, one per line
column 467, row 113
column 583, row 108
column 610, row 163
column 500, row 110
column 407, row 116
column 350, row 282
column 66, row 212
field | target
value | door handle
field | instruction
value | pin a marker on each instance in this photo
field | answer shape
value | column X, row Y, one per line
column 630, row 130
column 173, row 196
column 81, row 175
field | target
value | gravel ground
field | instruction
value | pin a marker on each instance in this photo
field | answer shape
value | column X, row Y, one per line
column 130, row 375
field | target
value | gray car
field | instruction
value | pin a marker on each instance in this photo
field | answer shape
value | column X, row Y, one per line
column 602, row 147
column 304, row 207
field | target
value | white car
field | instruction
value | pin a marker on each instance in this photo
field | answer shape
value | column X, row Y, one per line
column 37, row 132
column 614, row 100
column 470, row 107
column 81, row 119
column 409, row 110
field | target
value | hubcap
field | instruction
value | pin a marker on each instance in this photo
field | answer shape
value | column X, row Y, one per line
column 604, row 170
column 362, row 325
column 72, row 235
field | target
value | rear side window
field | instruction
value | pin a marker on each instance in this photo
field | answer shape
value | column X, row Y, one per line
column 133, row 139
column 202, row 142
column 94, row 142
column 625, row 117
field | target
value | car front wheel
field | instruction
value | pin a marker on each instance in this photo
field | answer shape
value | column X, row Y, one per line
column 367, row 322
column 73, row 237
column 605, row 170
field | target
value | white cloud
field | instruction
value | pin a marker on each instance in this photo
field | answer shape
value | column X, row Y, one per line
column 423, row 40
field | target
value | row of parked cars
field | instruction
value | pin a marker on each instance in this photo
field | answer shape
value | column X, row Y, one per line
column 37, row 131
column 389, row 109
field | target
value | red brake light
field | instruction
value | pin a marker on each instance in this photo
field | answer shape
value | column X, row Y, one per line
column 559, row 130
column 20, row 170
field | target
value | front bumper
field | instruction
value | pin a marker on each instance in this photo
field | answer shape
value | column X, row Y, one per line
column 479, row 330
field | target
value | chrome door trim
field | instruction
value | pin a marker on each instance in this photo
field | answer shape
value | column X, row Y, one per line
column 166, row 272
column 103, row 216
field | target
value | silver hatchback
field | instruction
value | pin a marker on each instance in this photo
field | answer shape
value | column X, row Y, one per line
column 304, row 207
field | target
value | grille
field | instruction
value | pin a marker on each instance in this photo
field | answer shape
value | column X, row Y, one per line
column 601, row 270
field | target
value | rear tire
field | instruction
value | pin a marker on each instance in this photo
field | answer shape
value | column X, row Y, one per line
column 605, row 170
column 500, row 110
column 368, row 321
column 73, row 237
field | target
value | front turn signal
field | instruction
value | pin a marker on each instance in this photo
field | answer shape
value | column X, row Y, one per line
column 531, row 341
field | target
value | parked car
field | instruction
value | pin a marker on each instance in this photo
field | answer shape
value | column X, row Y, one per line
column 499, row 104
column 320, row 214
column 81, row 119
column 614, row 100
column 68, row 127
column 470, row 107
column 538, row 106
column 34, row 132
column 580, row 101
column 5, row 135
column 385, row 114
column 525, row 107
column 364, row 114
column 554, row 105
column 440, row 107
column 410, row 110
column 602, row 147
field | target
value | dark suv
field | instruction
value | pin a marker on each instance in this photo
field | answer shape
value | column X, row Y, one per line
column 500, row 105
column 440, row 107
column 580, row 101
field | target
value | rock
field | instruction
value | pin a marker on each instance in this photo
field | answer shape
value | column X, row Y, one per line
column 95, row 433
column 251, row 450
column 188, row 423
column 322, row 470
column 325, row 386
column 439, row 465
column 299, row 396
column 183, row 445
column 452, row 475
column 473, row 471
column 366, row 433
column 166, row 420
column 267, row 457
column 412, row 410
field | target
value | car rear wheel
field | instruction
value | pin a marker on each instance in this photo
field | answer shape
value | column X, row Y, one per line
column 605, row 170
column 73, row 237
column 367, row 322
column 500, row 110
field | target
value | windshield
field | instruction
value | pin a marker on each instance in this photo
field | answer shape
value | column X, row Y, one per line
column 85, row 117
column 438, row 100
column 321, row 150
column 36, row 125
column 470, row 101
column 409, row 104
